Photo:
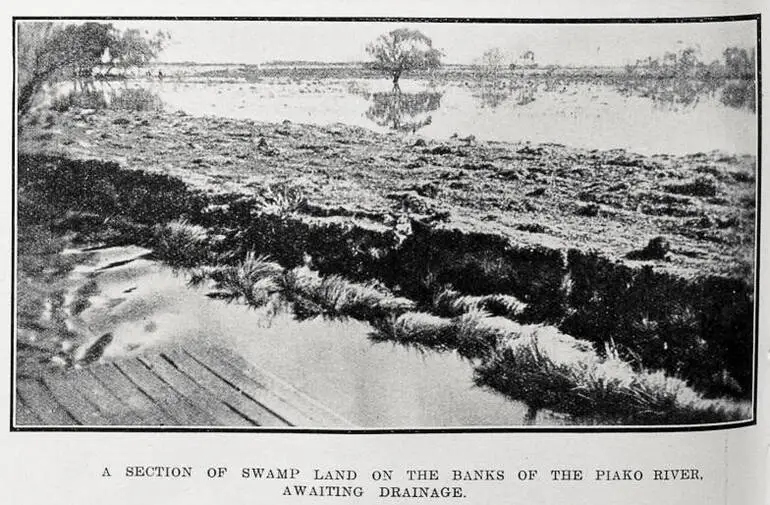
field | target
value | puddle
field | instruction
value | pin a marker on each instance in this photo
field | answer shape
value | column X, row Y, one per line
column 145, row 305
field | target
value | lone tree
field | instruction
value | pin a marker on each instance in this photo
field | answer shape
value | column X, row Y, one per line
column 403, row 50
column 48, row 52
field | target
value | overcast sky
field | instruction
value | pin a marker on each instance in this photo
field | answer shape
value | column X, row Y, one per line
column 605, row 44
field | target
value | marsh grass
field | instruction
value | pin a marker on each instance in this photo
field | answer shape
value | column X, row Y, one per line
column 135, row 99
column 547, row 369
column 335, row 296
column 282, row 199
column 450, row 303
column 258, row 281
column 181, row 244
column 253, row 281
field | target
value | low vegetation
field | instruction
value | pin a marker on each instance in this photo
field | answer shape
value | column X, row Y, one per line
column 484, row 287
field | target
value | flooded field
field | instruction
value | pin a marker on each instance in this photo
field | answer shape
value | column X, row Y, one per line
column 645, row 116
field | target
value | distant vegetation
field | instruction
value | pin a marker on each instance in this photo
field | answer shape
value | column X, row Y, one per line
column 681, row 77
column 736, row 63
column 49, row 52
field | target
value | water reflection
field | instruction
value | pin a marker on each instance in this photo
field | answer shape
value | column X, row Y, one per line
column 494, row 93
column 739, row 94
column 400, row 111
column 687, row 93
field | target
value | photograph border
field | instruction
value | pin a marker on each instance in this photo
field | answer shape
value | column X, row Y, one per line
column 375, row 19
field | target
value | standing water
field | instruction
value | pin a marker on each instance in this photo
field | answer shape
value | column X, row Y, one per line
column 145, row 305
column 645, row 119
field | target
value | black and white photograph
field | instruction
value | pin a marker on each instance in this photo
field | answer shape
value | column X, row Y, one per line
column 385, row 224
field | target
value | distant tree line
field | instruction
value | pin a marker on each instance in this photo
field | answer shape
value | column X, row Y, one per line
column 736, row 63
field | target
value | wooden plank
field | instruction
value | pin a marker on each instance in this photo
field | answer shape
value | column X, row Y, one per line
column 164, row 395
column 40, row 400
column 24, row 415
column 117, row 383
column 245, row 405
column 202, row 398
column 302, row 409
column 117, row 413
column 69, row 395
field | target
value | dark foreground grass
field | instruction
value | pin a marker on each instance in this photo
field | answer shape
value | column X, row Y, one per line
column 535, row 364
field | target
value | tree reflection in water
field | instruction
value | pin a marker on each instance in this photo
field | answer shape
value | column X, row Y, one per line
column 406, row 112
column 493, row 93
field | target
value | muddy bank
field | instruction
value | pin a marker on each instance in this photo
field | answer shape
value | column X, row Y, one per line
column 695, row 327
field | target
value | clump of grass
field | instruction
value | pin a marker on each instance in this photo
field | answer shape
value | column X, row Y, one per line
column 135, row 99
column 181, row 244
column 86, row 99
column 547, row 369
column 702, row 185
column 253, row 281
column 420, row 330
column 282, row 199
column 335, row 296
column 450, row 303
column 474, row 334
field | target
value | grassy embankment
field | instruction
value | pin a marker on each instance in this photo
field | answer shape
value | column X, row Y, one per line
column 534, row 363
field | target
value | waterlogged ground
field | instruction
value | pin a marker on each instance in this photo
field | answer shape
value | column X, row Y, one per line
column 614, row 201
column 697, row 209
column 145, row 305
column 578, row 114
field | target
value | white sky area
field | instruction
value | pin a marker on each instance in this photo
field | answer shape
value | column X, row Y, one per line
column 565, row 44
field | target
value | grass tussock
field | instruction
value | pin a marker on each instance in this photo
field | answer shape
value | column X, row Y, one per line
column 282, row 199
column 450, row 303
column 135, row 99
column 335, row 296
column 253, row 281
column 547, row 369
column 181, row 244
